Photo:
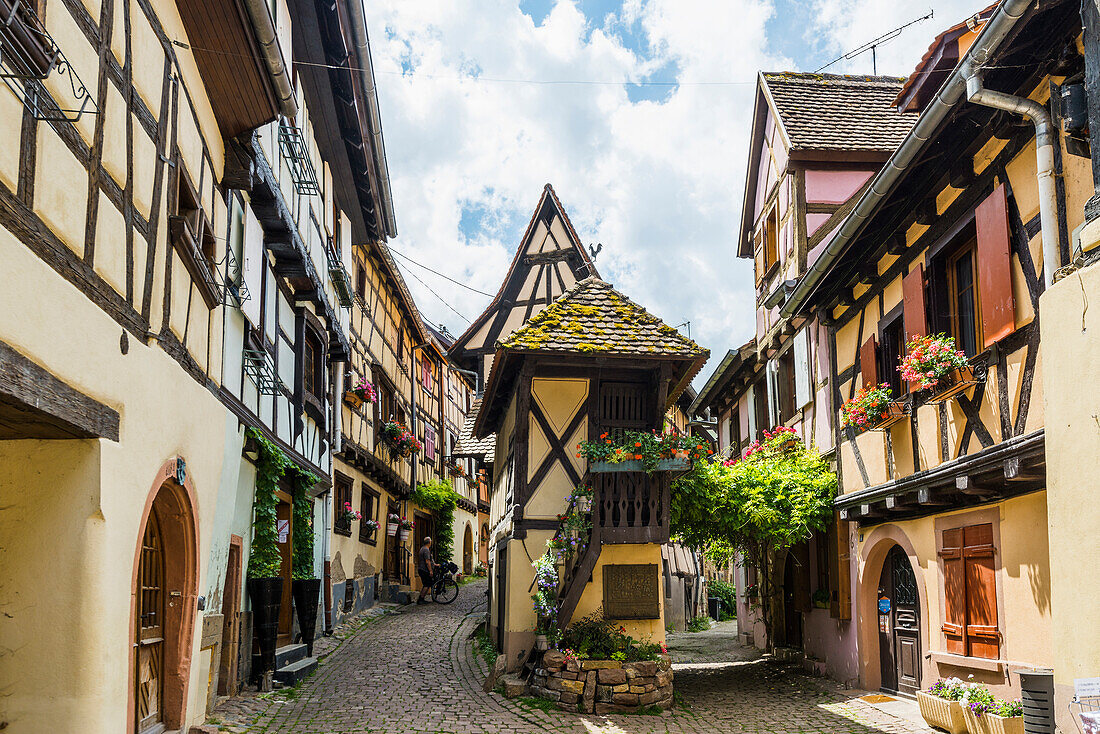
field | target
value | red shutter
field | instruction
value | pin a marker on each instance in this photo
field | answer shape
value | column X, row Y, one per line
column 981, row 592
column 998, row 303
column 954, row 586
column 868, row 362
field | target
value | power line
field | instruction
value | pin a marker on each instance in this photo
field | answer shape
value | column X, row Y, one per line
column 421, row 282
column 441, row 275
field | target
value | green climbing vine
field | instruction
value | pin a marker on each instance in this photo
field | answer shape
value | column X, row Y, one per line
column 302, row 553
column 439, row 497
column 263, row 557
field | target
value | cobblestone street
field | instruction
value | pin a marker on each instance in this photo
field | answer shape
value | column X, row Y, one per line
column 416, row 671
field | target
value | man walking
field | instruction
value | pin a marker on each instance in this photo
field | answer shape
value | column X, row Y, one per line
column 424, row 568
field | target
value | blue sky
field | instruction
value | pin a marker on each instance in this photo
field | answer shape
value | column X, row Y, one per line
column 484, row 101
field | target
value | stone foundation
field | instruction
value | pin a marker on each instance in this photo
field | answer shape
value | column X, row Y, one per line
column 603, row 686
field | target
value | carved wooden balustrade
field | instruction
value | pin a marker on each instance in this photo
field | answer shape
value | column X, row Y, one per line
column 631, row 507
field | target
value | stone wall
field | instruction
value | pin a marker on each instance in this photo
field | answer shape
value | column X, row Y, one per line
column 603, row 686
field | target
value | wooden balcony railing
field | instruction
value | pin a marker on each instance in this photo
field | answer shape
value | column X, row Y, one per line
column 631, row 507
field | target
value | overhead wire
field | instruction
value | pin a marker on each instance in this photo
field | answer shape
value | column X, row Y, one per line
column 436, row 272
column 441, row 298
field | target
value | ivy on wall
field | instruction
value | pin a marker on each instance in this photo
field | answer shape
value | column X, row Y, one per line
column 439, row 497
column 302, row 553
column 263, row 557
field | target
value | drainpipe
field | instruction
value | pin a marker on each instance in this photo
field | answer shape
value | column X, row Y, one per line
column 1046, row 138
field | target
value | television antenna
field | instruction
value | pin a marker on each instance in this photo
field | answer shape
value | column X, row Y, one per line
column 874, row 43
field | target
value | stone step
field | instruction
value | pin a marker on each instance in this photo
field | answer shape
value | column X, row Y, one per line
column 288, row 654
column 290, row 674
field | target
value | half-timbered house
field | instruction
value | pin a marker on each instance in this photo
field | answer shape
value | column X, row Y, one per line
column 959, row 234
column 593, row 361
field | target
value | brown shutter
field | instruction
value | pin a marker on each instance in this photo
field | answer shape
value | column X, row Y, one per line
column 843, row 570
column 954, row 586
column 998, row 303
column 915, row 316
column 868, row 362
column 981, row 592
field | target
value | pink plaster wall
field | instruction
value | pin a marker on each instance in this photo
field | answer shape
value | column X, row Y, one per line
column 834, row 187
column 813, row 221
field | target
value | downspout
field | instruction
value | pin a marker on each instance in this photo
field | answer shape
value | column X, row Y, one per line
column 264, row 27
column 995, row 31
column 366, row 78
column 1046, row 138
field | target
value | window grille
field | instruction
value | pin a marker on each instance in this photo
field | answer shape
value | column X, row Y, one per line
column 341, row 282
column 260, row 368
column 292, row 144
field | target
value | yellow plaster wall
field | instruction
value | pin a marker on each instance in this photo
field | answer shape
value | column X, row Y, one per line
column 1072, row 352
column 592, row 599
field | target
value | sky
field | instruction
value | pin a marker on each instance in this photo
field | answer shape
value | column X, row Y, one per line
column 636, row 111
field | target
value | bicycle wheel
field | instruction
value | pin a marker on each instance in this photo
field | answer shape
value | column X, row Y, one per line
column 445, row 592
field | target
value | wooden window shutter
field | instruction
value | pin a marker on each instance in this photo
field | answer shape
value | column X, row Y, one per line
column 983, row 639
column 998, row 302
column 868, row 362
column 758, row 256
column 843, row 570
column 954, row 587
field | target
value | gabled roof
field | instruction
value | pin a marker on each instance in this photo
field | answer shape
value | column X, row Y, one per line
column 594, row 317
column 942, row 56
column 834, row 112
column 467, row 445
column 733, row 363
column 513, row 280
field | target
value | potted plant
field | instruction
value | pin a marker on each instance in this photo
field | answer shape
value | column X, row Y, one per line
column 305, row 587
column 400, row 440
column 362, row 392
column 370, row 525
column 993, row 716
column 545, row 598
column 933, row 363
column 752, row 591
column 820, row 599
column 940, row 705
column 872, row 409
column 393, row 524
column 348, row 514
column 406, row 526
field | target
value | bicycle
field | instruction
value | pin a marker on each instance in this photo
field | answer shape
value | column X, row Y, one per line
column 444, row 586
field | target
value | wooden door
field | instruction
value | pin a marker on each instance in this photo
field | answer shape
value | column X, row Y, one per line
column 792, row 612
column 231, row 616
column 390, row 567
column 284, row 517
column 423, row 527
column 149, row 665
column 899, row 625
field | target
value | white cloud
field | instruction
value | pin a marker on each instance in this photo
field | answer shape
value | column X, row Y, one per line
column 657, row 182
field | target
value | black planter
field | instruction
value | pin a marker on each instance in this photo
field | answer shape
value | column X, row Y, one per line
column 306, row 593
column 266, row 596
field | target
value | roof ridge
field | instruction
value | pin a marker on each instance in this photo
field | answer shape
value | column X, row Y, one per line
column 817, row 76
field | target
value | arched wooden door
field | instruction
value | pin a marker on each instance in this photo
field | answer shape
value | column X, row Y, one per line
column 149, row 650
column 899, row 624
column 468, row 551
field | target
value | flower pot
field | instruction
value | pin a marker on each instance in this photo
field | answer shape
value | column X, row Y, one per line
column 584, row 504
column 941, row 713
column 679, row 463
column 266, row 596
column 951, row 384
column 306, row 593
column 992, row 724
column 404, row 535
column 391, row 529
column 895, row 413
column 353, row 399
column 541, row 643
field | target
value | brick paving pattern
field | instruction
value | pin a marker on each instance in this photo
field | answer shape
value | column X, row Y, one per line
column 416, row 672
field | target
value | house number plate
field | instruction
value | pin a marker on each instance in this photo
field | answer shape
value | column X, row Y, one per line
column 630, row 591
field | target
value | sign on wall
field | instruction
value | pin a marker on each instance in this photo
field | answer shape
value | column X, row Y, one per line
column 630, row 591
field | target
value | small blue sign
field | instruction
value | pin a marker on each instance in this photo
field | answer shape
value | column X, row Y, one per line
column 884, row 605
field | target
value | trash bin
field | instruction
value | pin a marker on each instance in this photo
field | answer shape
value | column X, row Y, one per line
column 1037, row 697
column 714, row 606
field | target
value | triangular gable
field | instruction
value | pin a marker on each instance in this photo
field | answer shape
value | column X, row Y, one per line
column 549, row 261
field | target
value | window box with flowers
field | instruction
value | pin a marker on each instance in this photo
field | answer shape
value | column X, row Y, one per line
column 934, row 365
column 362, row 392
column 871, row 409
column 637, row 451
column 347, row 515
column 988, row 715
column 370, row 527
column 400, row 440
column 454, row 469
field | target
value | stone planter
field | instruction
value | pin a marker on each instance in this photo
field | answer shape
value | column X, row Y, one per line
column 992, row 724
column 541, row 643
column 941, row 713
column 603, row 686
column 678, row 463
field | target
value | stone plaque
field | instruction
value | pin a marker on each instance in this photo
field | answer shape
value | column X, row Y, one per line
column 630, row 591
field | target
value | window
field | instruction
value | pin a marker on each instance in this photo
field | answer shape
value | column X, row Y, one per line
column 368, row 507
column 429, row 443
column 426, row 373
column 771, row 240
column 970, row 591
column 891, row 350
column 785, row 386
column 735, row 433
column 962, row 293
column 360, row 283
column 313, row 372
column 401, row 346
column 760, row 408
column 342, row 499
column 192, row 234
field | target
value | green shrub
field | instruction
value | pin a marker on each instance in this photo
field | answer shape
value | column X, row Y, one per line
column 699, row 624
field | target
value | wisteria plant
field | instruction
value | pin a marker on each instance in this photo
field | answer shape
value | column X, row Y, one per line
column 928, row 359
column 867, row 407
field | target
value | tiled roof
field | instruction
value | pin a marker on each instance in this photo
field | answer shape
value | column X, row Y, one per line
column 594, row 317
column 467, row 445
column 839, row 112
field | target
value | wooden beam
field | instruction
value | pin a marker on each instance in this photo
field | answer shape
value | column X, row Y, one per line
column 967, row 485
column 1017, row 472
column 899, row 502
column 35, row 404
column 926, row 498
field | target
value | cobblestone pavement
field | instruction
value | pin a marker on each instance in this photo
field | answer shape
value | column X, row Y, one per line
column 416, row 672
